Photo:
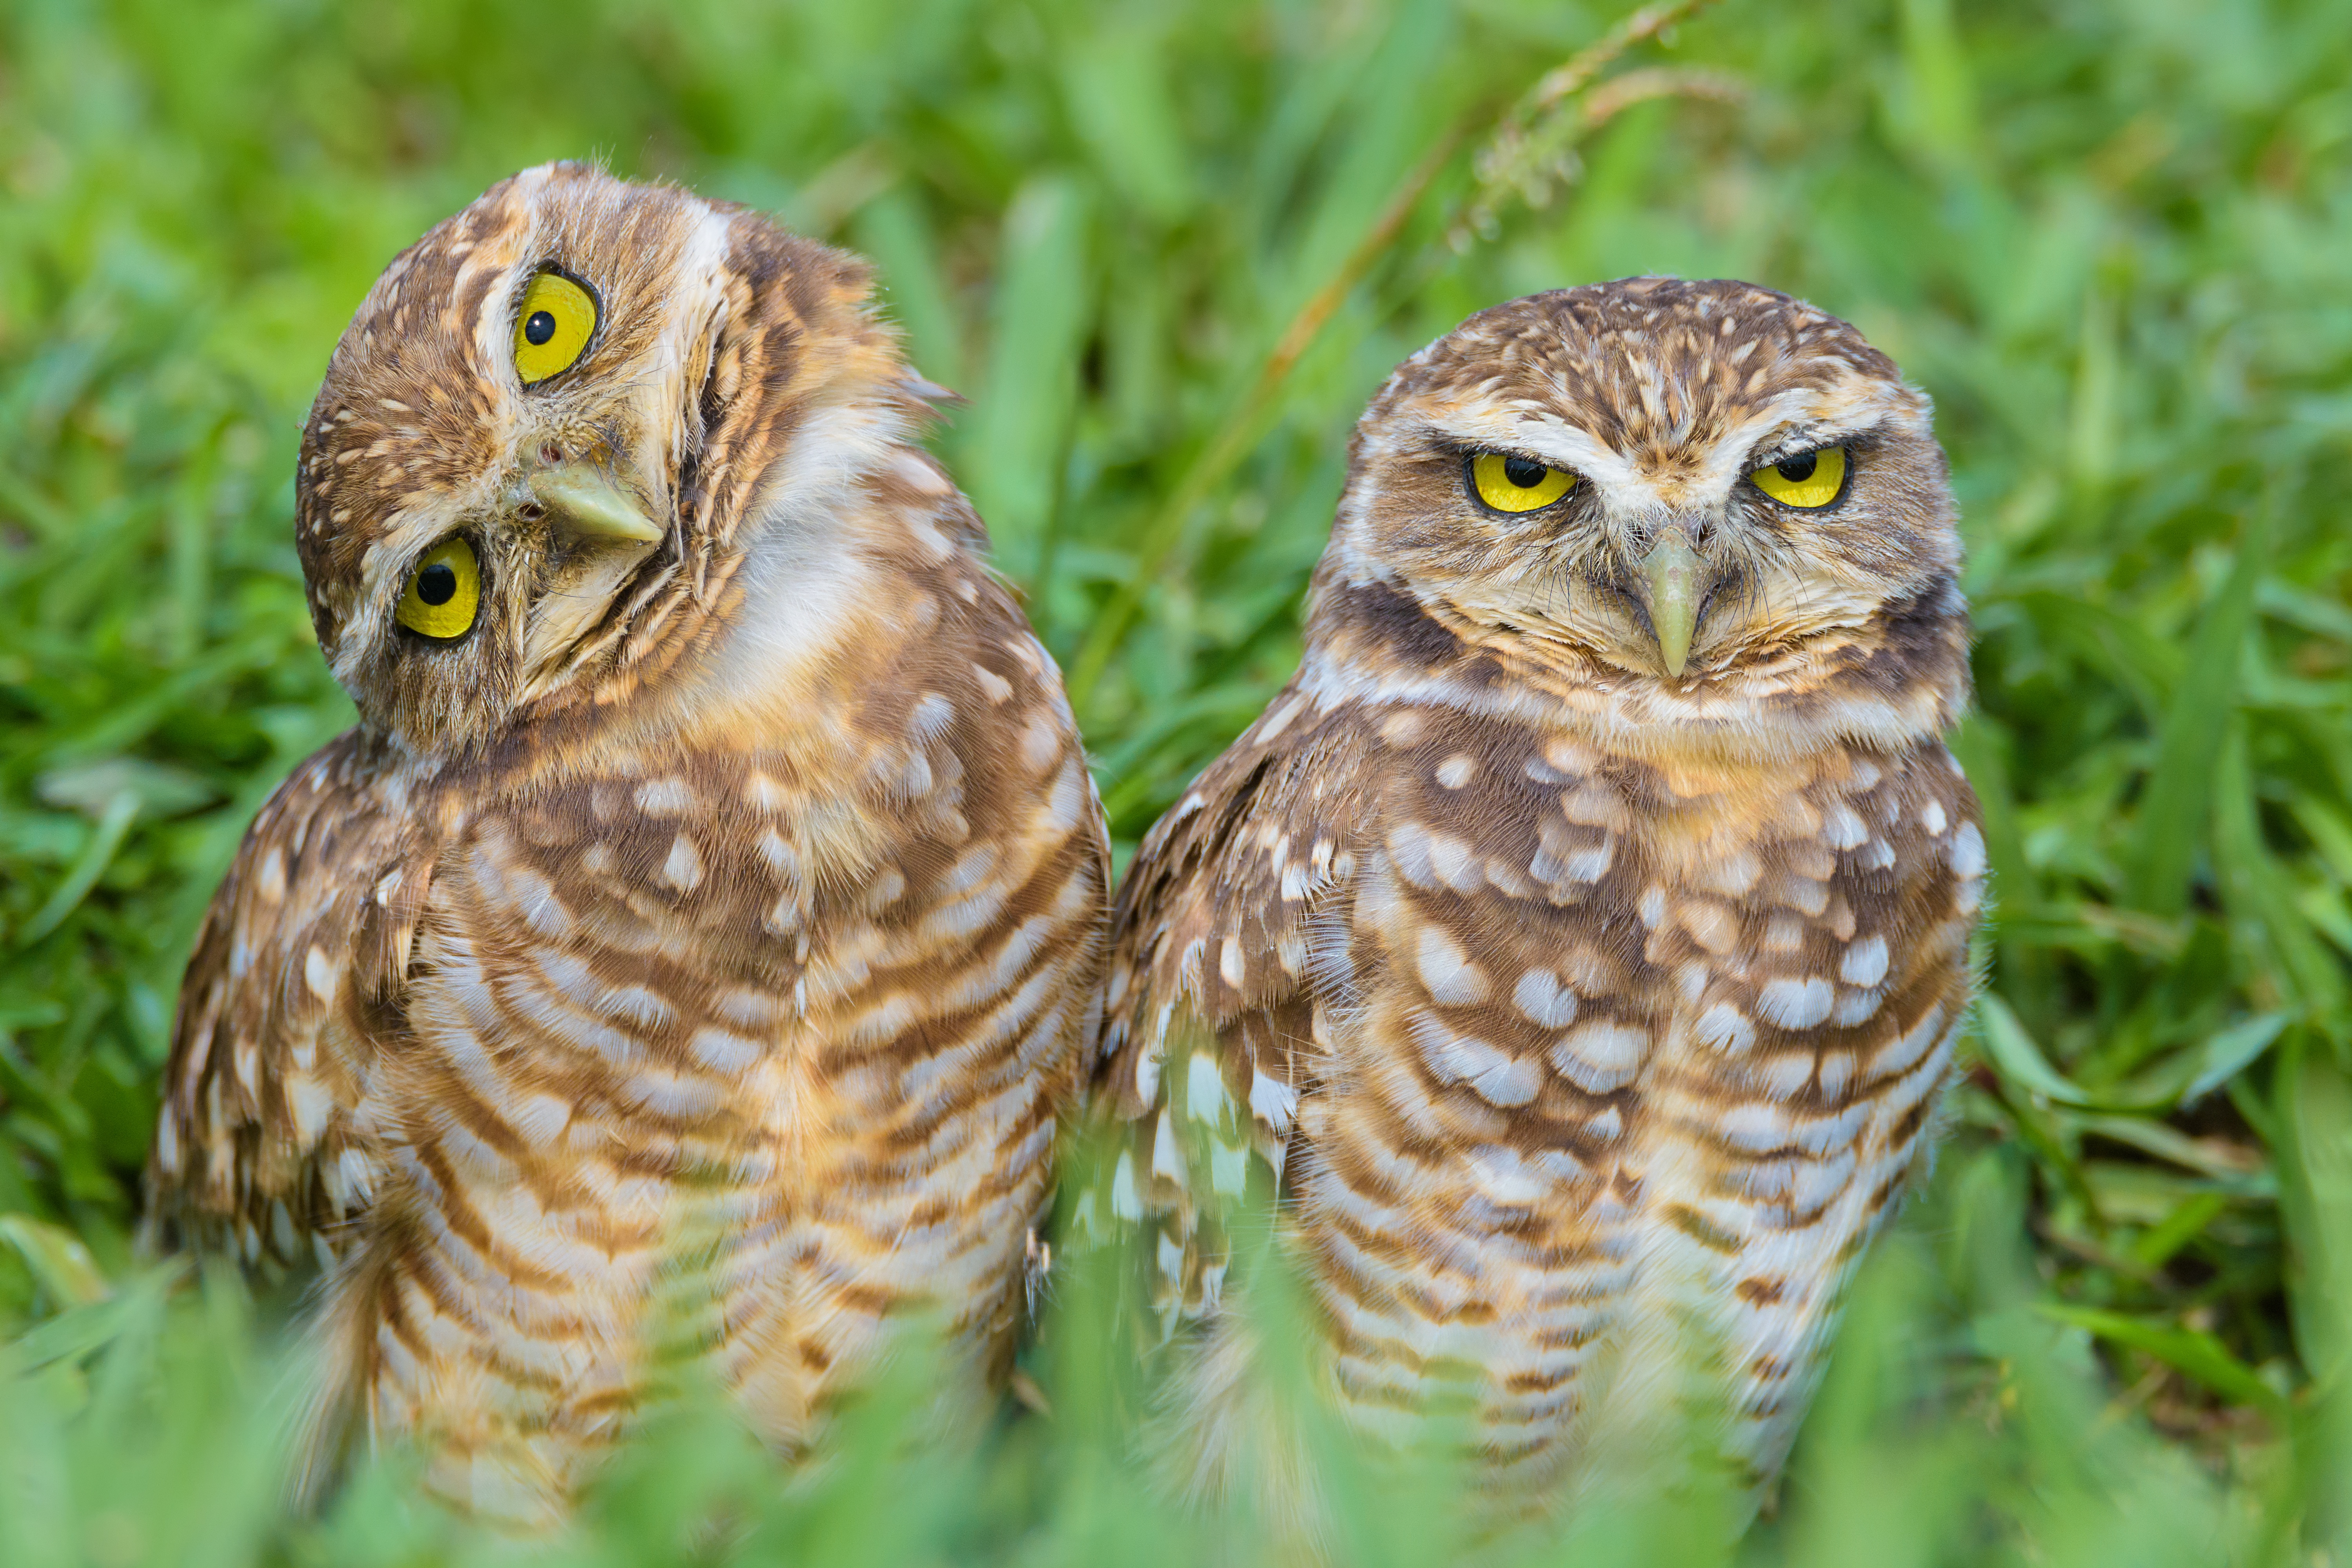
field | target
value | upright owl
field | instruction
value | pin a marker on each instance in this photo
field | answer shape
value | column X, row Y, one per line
column 1576, row 945
column 698, row 938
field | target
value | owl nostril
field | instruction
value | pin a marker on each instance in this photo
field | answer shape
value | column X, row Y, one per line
column 530, row 511
column 551, row 453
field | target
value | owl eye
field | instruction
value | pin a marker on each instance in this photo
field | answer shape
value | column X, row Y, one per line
column 1507, row 483
column 1808, row 481
column 553, row 327
column 444, row 593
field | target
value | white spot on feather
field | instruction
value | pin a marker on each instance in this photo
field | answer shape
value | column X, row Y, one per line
column 1125, row 1201
column 540, row 1118
column 1271, row 1101
column 1167, row 1159
column 1796, row 1004
column 1206, row 1099
column 1446, row 971
column 311, row 1104
column 1968, row 851
column 1725, row 1028
column 1495, row 1076
column 683, row 869
column 1836, row 1071
column 1856, row 1006
column 1754, row 1129
column 665, row 796
column 1598, row 1056
column 1228, row 1169
column 1842, row 827
column 1542, row 999
column 1865, row 963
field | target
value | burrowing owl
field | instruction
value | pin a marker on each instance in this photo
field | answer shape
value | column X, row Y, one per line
column 714, row 867
column 1577, row 943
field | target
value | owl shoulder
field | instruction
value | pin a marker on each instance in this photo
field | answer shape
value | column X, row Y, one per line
column 1216, row 921
column 297, row 973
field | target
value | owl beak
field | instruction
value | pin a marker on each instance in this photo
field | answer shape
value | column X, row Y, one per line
column 584, row 503
column 1678, row 581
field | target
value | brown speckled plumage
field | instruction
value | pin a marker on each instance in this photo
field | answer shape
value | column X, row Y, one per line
column 1588, row 1019
column 736, row 897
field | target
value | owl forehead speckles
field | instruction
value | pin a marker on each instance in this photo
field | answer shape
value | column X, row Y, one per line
column 1662, row 398
column 1648, row 367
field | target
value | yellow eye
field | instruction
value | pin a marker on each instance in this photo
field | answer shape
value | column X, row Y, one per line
column 1808, row 482
column 443, row 592
column 1516, row 484
column 553, row 328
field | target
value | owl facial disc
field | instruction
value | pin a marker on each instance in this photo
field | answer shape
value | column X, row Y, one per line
column 1703, row 488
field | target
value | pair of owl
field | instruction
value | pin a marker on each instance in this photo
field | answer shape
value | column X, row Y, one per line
column 1574, row 948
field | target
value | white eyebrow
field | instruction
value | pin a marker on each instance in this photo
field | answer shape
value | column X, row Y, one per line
column 1536, row 432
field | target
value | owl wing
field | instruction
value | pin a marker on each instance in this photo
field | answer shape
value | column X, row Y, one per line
column 294, row 983
column 1214, row 1016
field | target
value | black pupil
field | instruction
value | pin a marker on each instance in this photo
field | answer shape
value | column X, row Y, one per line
column 1796, row 470
column 538, row 328
column 437, row 583
column 1524, row 472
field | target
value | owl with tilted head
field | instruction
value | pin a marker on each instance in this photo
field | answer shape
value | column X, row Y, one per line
column 698, row 938
column 1571, row 954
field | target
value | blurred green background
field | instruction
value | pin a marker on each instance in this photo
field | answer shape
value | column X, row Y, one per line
column 1168, row 250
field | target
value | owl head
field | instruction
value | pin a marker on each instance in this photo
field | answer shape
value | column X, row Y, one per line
column 550, row 436
column 1677, row 489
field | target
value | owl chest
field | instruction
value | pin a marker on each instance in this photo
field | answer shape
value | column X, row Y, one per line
column 1605, row 915
column 1566, row 1000
column 1624, row 1064
column 641, row 960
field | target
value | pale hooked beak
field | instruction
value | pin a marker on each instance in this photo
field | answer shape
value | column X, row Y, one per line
column 582, row 500
column 1678, row 581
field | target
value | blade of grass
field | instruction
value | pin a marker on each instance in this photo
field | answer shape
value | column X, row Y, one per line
column 2173, row 810
column 113, row 825
column 2230, row 1052
column 2190, row 1351
column 1020, row 434
column 2018, row 1059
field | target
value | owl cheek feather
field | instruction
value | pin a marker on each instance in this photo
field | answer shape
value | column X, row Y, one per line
column 577, row 598
column 439, row 702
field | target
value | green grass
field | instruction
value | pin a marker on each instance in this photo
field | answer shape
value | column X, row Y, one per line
column 1169, row 251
